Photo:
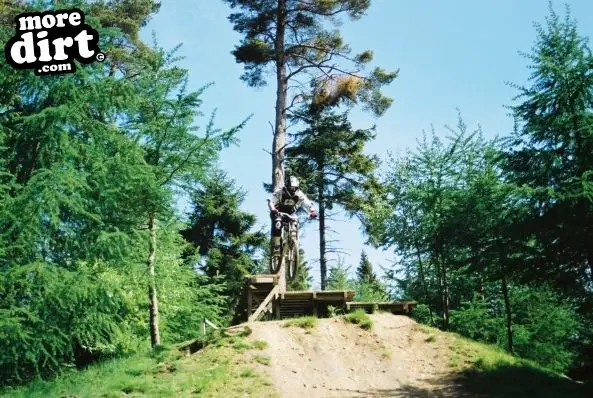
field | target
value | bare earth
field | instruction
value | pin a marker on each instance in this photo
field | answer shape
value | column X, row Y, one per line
column 339, row 359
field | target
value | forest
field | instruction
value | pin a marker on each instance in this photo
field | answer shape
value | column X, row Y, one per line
column 494, row 237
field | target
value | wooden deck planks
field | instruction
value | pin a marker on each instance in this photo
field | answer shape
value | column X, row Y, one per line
column 258, row 295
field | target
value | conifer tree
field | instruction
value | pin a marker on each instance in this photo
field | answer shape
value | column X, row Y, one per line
column 179, row 158
column 72, row 184
column 551, row 151
column 365, row 272
column 222, row 233
column 338, row 278
column 291, row 38
column 329, row 157
column 303, row 279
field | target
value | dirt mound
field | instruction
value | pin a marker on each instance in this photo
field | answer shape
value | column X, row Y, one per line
column 339, row 359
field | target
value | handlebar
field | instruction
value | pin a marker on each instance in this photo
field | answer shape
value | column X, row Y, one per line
column 294, row 218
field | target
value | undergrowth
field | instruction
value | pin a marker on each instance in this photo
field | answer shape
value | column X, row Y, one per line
column 361, row 318
column 207, row 367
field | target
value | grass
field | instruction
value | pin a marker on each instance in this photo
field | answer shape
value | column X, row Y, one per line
column 217, row 370
column 387, row 353
column 263, row 359
column 306, row 322
column 259, row 344
column 488, row 371
column 361, row 318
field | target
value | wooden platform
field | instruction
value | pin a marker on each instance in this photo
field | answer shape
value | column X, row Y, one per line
column 263, row 300
column 395, row 307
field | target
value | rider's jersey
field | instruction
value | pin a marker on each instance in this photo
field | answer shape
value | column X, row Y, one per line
column 287, row 203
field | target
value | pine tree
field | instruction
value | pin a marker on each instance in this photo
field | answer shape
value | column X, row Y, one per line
column 329, row 158
column 223, row 234
column 68, row 166
column 551, row 151
column 338, row 278
column 303, row 280
column 290, row 37
column 365, row 272
column 179, row 158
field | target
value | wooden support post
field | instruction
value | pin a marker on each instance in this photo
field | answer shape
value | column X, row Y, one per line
column 203, row 327
column 249, row 303
column 282, row 278
column 276, row 304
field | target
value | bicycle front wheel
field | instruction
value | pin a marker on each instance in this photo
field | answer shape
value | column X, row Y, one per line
column 292, row 262
column 275, row 260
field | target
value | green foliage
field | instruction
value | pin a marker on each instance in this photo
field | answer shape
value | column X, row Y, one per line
column 300, row 42
column 361, row 318
column 185, row 297
column 303, row 279
column 307, row 322
column 70, row 312
column 476, row 320
column 481, row 227
column 367, row 285
column 544, row 327
column 365, row 272
column 221, row 233
column 84, row 162
column 548, row 327
column 329, row 157
column 366, row 291
column 338, row 278
column 421, row 314
column 551, row 153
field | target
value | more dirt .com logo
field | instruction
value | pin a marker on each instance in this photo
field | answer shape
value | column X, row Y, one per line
column 50, row 41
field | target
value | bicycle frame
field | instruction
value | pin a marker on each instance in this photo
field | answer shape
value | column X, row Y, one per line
column 288, row 243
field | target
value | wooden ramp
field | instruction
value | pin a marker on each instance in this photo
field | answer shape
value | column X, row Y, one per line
column 262, row 300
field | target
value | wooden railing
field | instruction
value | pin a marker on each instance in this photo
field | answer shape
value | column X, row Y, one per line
column 203, row 324
column 272, row 295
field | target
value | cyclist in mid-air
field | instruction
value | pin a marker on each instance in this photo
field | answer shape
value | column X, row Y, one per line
column 287, row 199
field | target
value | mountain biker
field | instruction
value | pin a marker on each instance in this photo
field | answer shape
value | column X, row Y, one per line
column 287, row 199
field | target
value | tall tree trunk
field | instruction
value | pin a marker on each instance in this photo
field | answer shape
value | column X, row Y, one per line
column 281, row 94
column 443, row 286
column 439, row 276
column 590, row 261
column 423, row 281
column 475, row 265
column 445, row 298
column 505, row 294
column 422, row 274
column 322, row 243
column 155, row 336
column 280, row 122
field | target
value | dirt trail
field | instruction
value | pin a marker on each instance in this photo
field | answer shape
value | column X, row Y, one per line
column 339, row 359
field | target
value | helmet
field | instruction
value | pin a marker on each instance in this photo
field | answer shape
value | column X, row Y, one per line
column 292, row 184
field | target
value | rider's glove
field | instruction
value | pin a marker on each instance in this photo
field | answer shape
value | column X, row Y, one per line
column 274, row 211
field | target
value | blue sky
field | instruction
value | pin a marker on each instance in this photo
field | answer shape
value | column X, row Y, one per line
column 451, row 54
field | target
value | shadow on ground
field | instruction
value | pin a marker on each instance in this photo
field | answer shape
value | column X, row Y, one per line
column 504, row 382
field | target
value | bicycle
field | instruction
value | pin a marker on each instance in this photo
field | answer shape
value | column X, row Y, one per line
column 289, row 252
